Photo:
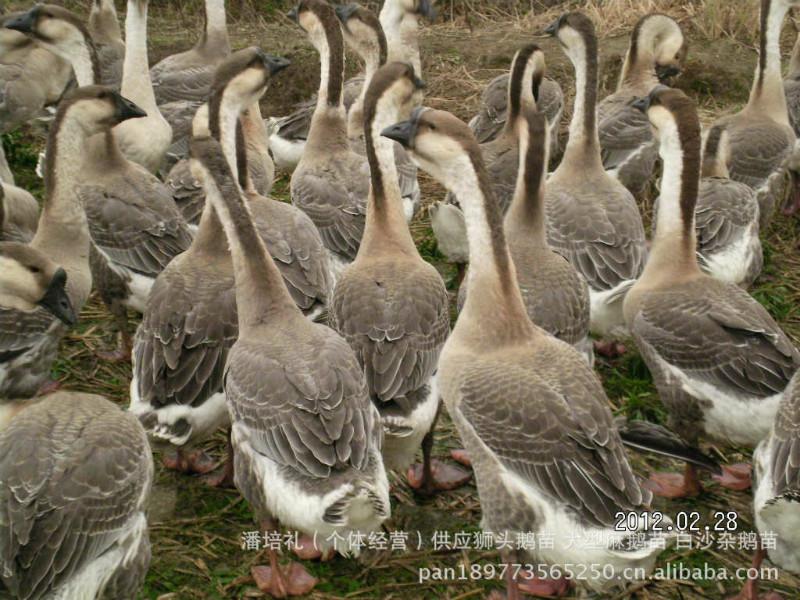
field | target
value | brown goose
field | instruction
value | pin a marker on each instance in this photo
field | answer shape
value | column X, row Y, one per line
column 400, row 22
column 760, row 135
column 390, row 305
column 305, row 435
column 31, row 78
column 29, row 338
column 135, row 226
column 726, row 218
column 626, row 143
column 75, row 479
column 331, row 182
column 720, row 362
column 530, row 411
column 592, row 219
column 791, row 84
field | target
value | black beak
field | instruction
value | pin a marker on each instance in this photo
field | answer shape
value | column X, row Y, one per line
column 293, row 15
column 419, row 83
column 427, row 10
column 641, row 104
column 552, row 29
column 127, row 109
column 276, row 64
column 666, row 72
column 56, row 300
column 345, row 11
column 23, row 23
column 402, row 133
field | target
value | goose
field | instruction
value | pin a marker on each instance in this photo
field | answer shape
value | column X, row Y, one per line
column 390, row 305
column 627, row 146
column 75, row 480
column 5, row 171
column 760, row 136
column 726, row 218
column 144, row 141
column 363, row 31
column 493, row 113
column 331, row 182
column 182, row 81
column 135, row 225
column 305, row 435
column 104, row 28
column 31, row 78
column 531, row 412
column 776, row 497
column 29, row 338
column 555, row 295
column 592, row 219
column 450, row 231
column 399, row 20
column 19, row 214
column 187, row 191
column 791, row 84
column 190, row 323
column 719, row 361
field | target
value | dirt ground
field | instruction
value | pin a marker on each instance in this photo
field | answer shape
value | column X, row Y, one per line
column 197, row 532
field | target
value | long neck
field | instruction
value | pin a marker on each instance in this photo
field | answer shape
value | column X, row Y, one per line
column 63, row 231
column 104, row 23
column 261, row 295
column 223, row 119
column 215, row 36
column 402, row 34
column 256, row 144
column 136, row 84
column 494, row 310
column 674, row 244
column 714, row 163
column 637, row 70
column 82, row 55
column 386, row 229
column 767, row 94
column 526, row 213
column 328, row 125
column 355, row 116
column 210, row 237
column 584, row 145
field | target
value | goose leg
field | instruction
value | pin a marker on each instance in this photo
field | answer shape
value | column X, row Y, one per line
column 432, row 475
column 609, row 349
column 224, row 477
column 750, row 589
column 278, row 581
column 194, row 462
column 461, row 456
column 125, row 346
column 735, row 477
column 675, row 485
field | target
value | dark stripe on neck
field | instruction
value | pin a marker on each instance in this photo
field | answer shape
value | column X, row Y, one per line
column 712, row 143
column 590, row 100
column 762, row 42
column 333, row 35
column 690, row 140
column 215, row 116
column 375, row 173
column 515, row 82
column 535, row 163
column 241, row 157
column 494, row 219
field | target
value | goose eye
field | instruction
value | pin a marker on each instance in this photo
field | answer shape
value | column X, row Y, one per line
column 34, row 269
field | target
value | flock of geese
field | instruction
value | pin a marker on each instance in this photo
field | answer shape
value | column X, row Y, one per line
column 319, row 337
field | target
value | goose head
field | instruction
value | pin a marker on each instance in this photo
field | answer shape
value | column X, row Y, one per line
column 96, row 109
column 362, row 31
column 439, row 143
column 316, row 18
column 394, row 90
column 573, row 31
column 673, row 117
column 410, row 8
column 659, row 40
column 31, row 280
column 527, row 71
column 54, row 28
column 245, row 75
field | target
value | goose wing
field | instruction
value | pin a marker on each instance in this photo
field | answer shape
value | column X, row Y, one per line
column 718, row 333
column 134, row 221
column 20, row 331
column 600, row 233
column 334, row 195
column 623, row 130
column 556, row 435
column 786, row 442
column 187, row 192
column 724, row 208
column 74, row 469
column 304, row 406
column 187, row 330
column 191, row 83
column 396, row 318
column 757, row 149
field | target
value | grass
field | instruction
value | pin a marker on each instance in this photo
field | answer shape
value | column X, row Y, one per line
column 196, row 531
